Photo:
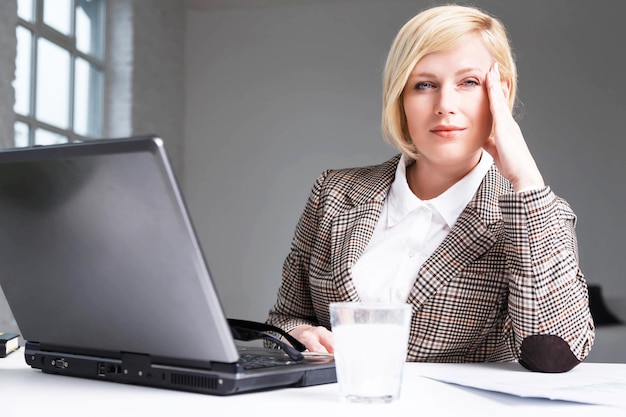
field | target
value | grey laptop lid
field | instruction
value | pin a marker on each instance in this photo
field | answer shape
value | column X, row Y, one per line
column 95, row 233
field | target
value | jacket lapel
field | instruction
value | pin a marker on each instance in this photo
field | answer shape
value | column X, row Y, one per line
column 351, row 233
column 469, row 239
column 352, row 229
column 471, row 236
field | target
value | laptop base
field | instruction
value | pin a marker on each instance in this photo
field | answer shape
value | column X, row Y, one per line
column 139, row 369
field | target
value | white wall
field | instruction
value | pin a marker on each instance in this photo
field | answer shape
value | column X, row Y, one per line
column 274, row 95
column 145, row 74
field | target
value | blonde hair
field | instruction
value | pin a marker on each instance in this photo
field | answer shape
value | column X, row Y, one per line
column 437, row 29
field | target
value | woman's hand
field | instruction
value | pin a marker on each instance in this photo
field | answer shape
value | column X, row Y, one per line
column 507, row 145
column 315, row 338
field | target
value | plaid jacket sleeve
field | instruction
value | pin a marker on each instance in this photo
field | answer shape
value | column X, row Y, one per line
column 547, row 291
column 294, row 306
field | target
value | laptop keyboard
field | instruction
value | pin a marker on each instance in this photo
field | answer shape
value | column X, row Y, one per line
column 251, row 361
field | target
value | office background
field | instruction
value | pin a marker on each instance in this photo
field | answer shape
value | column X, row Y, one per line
column 254, row 98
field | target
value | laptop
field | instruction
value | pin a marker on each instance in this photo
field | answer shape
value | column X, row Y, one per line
column 107, row 280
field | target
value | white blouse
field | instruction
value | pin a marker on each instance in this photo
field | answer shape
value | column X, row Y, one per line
column 408, row 232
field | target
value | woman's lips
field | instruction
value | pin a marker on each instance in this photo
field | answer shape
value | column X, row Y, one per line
column 446, row 131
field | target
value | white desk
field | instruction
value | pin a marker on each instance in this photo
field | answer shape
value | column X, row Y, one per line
column 28, row 392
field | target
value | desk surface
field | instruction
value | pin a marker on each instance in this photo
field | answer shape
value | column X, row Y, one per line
column 25, row 391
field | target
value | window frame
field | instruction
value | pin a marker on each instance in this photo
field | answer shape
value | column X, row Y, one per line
column 38, row 29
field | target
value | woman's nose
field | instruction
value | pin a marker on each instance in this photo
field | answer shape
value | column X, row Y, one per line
column 446, row 101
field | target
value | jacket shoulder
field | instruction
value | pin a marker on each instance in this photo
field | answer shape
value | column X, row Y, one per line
column 360, row 183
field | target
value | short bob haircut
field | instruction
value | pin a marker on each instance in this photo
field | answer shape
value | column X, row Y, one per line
column 433, row 30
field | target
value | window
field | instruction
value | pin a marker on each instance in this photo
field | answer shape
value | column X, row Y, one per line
column 59, row 76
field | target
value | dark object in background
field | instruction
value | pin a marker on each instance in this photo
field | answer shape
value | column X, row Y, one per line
column 599, row 311
column 9, row 342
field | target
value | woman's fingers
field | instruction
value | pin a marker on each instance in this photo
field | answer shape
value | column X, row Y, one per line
column 315, row 338
column 507, row 144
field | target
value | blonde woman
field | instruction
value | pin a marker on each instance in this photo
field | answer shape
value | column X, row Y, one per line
column 460, row 224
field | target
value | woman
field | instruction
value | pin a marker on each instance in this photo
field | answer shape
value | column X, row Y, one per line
column 460, row 225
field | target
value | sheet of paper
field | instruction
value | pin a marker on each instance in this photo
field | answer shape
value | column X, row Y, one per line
column 597, row 383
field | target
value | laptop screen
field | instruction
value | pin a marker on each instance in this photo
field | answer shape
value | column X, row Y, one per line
column 96, row 232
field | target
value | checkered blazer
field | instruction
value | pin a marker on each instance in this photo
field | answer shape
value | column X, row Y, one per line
column 507, row 270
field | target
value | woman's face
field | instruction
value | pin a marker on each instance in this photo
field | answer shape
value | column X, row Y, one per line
column 447, row 106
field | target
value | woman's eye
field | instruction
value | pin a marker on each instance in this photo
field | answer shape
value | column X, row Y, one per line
column 469, row 83
column 423, row 85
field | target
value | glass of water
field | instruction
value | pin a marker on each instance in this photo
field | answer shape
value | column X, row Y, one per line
column 370, row 342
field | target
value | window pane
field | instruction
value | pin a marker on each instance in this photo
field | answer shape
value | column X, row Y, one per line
column 89, row 27
column 25, row 9
column 53, row 84
column 87, row 99
column 21, row 134
column 21, row 83
column 58, row 15
column 45, row 137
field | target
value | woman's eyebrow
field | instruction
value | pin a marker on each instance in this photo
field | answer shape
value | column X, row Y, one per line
column 462, row 71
